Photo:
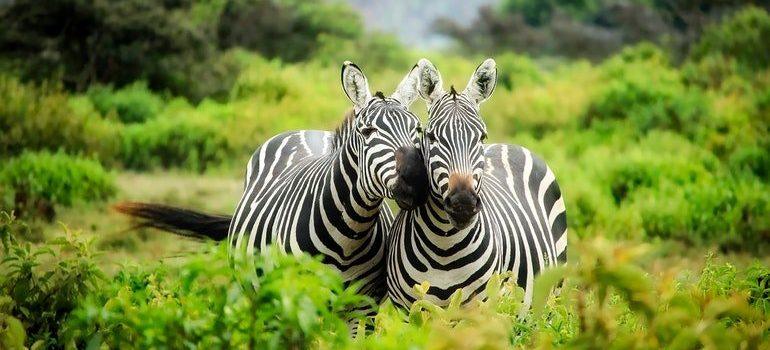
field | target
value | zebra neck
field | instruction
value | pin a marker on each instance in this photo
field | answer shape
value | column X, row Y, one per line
column 346, row 203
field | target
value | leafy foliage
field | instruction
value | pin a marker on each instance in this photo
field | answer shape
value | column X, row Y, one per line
column 177, row 46
column 592, row 29
column 133, row 103
column 38, row 182
column 40, row 118
column 741, row 37
column 295, row 302
column 643, row 90
column 288, row 29
column 608, row 296
column 40, row 286
column 194, row 143
column 100, row 41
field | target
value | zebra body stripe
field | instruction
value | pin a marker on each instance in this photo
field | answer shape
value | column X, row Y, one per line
column 514, row 232
column 308, row 192
column 492, row 208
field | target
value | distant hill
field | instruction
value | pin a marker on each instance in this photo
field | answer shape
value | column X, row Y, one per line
column 410, row 20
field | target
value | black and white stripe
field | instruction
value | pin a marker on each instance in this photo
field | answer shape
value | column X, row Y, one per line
column 492, row 208
column 322, row 193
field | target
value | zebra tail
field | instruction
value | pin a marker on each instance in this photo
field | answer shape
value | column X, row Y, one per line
column 179, row 221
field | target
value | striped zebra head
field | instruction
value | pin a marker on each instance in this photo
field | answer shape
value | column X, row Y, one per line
column 387, row 134
column 453, row 144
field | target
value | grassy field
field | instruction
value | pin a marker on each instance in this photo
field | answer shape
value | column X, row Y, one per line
column 112, row 231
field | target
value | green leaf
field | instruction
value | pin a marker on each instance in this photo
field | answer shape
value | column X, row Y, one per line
column 544, row 284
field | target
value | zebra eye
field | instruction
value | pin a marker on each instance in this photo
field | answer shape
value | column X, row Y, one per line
column 483, row 137
column 368, row 131
column 419, row 129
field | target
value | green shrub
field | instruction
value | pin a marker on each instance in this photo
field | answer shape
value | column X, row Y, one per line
column 752, row 159
column 298, row 303
column 515, row 70
column 194, row 143
column 288, row 30
column 371, row 51
column 133, row 103
column 649, row 95
column 723, row 211
column 40, row 118
column 612, row 296
column 41, row 285
column 199, row 78
column 37, row 182
column 263, row 80
column 742, row 37
column 712, row 71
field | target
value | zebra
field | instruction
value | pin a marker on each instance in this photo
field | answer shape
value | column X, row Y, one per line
column 321, row 193
column 492, row 208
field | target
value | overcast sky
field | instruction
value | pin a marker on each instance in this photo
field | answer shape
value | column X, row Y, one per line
column 410, row 20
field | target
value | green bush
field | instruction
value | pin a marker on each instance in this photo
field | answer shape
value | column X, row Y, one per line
column 41, row 285
column 34, row 183
column 40, row 118
column 55, row 296
column 285, row 29
column 199, row 78
column 263, row 80
column 649, row 95
column 742, row 37
column 298, row 303
column 704, row 210
column 712, row 72
column 752, row 159
column 194, row 143
column 515, row 70
column 375, row 50
column 608, row 299
column 134, row 103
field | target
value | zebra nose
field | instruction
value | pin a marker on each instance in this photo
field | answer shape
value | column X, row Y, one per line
column 411, row 187
column 463, row 202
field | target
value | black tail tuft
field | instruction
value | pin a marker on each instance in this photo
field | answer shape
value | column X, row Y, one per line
column 180, row 221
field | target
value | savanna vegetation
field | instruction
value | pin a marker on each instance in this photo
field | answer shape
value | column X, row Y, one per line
column 661, row 144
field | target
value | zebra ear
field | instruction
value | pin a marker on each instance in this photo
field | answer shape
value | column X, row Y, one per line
column 355, row 85
column 483, row 81
column 430, row 81
column 406, row 92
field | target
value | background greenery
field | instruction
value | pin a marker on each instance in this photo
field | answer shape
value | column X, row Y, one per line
column 660, row 140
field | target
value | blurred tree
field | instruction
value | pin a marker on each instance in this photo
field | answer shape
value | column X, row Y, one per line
column 591, row 29
column 99, row 41
column 744, row 37
column 288, row 29
column 174, row 45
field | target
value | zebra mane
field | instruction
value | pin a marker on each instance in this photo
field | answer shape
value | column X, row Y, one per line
column 453, row 92
column 343, row 130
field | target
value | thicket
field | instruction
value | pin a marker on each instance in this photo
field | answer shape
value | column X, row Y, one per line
column 132, row 104
column 181, row 47
column 36, row 183
column 41, row 285
column 645, row 148
column 39, row 117
column 592, row 29
column 55, row 296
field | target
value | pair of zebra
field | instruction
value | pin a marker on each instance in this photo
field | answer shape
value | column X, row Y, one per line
column 469, row 209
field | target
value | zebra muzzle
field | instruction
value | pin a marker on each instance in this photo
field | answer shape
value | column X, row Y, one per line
column 411, row 187
column 462, row 203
